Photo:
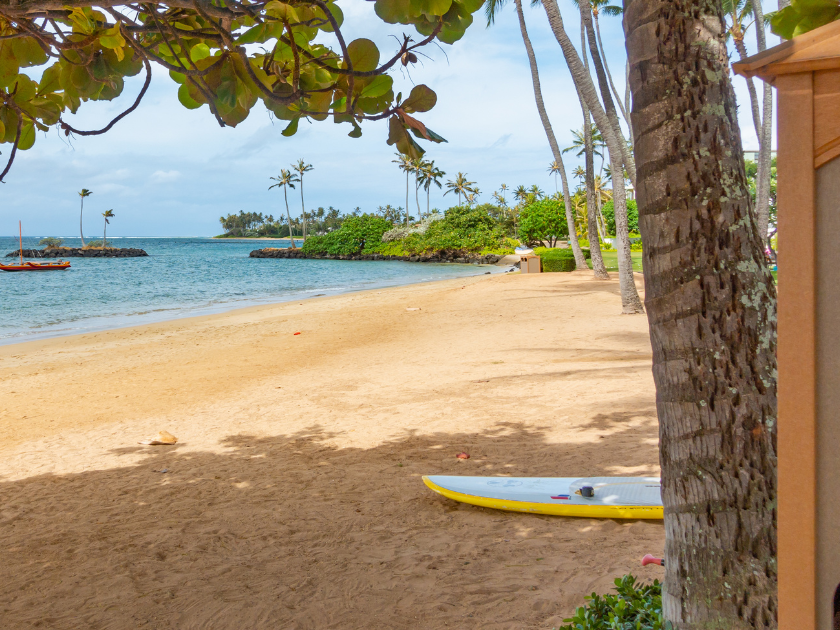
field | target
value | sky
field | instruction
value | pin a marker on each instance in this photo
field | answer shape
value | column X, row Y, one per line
column 169, row 171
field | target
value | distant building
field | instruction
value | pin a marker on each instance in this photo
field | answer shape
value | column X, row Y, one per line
column 752, row 155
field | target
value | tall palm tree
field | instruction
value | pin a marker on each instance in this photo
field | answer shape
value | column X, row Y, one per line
column 491, row 7
column 107, row 214
column 699, row 356
column 84, row 192
column 302, row 167
column 430, row 175
column 417, row 165
column 460, row 185
column 604, row 6
column 286, row 180
column 521, row 193
column 554, row 169
column 536, row 191
column 472, row 197
column 403, row 162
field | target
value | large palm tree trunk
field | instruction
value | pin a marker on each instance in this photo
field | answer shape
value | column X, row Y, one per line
column 711, row 305
column 580, row 260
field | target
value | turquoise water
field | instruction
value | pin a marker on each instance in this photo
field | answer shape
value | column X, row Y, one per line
column 181, row 277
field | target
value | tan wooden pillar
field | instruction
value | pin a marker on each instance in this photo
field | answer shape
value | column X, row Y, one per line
column 806, row 73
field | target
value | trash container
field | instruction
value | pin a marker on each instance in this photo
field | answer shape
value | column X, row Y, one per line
column 529, row 264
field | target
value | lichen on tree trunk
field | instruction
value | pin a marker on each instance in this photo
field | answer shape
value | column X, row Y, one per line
column 711, row 304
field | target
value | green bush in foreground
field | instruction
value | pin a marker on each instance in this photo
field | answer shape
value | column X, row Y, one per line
column 634, row 607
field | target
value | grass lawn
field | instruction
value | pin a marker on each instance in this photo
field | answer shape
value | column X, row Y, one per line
column 611, row 261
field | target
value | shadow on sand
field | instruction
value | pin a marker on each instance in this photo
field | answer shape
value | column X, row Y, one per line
column 292, row 531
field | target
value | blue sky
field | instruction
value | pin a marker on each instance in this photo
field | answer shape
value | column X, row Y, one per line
column 169, row 171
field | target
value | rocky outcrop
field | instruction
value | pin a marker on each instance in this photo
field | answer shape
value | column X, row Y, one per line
column 78, row 252
column 443, row 256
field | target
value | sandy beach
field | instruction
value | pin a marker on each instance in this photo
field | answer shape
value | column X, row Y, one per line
column 293, row 498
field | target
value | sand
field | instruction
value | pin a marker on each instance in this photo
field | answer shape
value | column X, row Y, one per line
column 293, row 498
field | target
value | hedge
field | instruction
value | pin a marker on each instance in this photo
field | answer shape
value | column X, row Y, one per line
column 556, row 259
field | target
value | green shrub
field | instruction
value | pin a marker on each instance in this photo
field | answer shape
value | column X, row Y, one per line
column 353, row 237
column 51, row 241
column 635, row 607
column 632, row 216
column 555, row 259
column 636, row 247
column 543, row 220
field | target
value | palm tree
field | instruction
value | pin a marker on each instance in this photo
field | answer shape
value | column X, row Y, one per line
column 697, row 356
column 490, row 8
column 737, row 13
column 429, row 175
column 286, row 180
column 417, row 165
column 403, row 162
column 460, row 185
column 472, row 197
column 520, row 193
column 536, row 191
column 83, row 193
column 554, row 169
column 302, row 167
column 107, row 214
column 604, row 6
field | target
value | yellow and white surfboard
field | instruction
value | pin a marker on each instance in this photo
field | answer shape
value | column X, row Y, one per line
column 589, row 497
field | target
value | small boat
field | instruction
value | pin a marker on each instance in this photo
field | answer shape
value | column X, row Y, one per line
column 33, row 266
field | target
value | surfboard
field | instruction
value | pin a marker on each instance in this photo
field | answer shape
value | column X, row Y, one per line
column 590, row 497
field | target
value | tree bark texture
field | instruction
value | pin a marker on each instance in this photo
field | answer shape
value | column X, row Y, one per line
column 580, row 260
column 711, row 305
column 583, row 82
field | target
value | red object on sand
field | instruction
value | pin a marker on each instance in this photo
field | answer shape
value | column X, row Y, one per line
column 463, row 455
column 649, row 559
column 297, row 333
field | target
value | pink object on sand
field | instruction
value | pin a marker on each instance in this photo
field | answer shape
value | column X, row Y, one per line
column 649, row 559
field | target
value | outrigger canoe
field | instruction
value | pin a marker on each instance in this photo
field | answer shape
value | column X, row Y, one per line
column 33, row 266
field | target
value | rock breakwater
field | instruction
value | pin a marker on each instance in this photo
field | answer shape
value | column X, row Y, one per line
column 443, row 256
column 78, row 252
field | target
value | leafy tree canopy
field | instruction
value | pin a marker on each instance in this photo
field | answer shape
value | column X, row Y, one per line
column 226, row 54
column 543, row 220
column 632, row 216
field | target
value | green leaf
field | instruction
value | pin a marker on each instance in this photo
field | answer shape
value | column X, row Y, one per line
column 292, row 128
column 281, row 11
column 2, row 130
column 393, row 11
column 363, row 54
column 179, row 78
column 336, row 13
column 185, row 98
column 430, row 8
column 252, row 35
column 379, row 86
column 199, row 52
column 802, row 16
column 27, row 137
column 357, row 131
column 421, row 99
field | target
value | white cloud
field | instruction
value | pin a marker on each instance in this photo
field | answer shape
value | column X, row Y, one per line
column 165, row 176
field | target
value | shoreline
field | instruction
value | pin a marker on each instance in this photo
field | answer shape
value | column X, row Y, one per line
column 119, row 322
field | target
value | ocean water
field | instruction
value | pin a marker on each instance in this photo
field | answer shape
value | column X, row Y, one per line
column 181, row 277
